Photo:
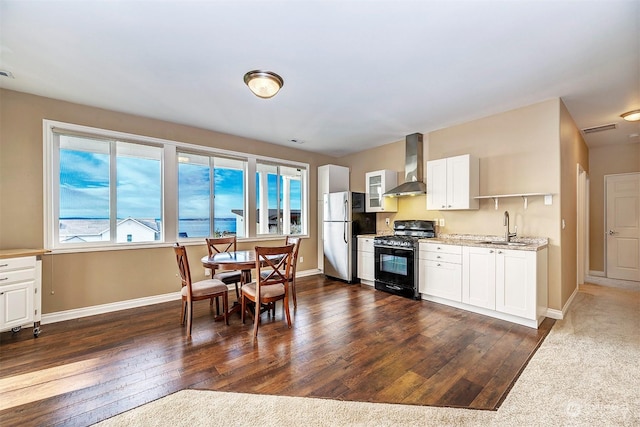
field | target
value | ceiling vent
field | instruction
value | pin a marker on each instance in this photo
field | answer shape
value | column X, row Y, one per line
column 599, row 128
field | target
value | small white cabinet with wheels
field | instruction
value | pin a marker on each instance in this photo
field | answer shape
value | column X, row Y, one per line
column 20, row 288
column 440, row 271
column 378, row 183
column 366, row 261
column 453, row 183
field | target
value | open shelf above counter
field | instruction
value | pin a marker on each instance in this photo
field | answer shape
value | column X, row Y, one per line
column 548, row 197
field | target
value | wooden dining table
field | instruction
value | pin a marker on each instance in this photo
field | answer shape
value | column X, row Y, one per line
column 244, row 261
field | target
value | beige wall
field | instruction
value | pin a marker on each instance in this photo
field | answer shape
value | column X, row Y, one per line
column 605, row 160
column 76, row 280
column 573, row 151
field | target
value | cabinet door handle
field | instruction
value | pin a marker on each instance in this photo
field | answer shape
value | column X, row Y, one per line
column 490, row 251
column 438, row 257
column 4, row 278
column 4, row 265
column 439, row 265
column 499, row 252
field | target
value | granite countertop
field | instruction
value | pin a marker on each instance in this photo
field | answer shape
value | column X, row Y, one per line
column 487, row 241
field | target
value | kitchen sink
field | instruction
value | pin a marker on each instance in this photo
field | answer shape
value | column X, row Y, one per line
column 503, row 243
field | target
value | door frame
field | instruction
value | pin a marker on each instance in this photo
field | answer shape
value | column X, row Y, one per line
column 582, row 235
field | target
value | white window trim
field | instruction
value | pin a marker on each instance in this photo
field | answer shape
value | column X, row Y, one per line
column 169, row 186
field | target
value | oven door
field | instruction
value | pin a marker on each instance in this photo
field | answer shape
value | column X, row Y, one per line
column 395, row 270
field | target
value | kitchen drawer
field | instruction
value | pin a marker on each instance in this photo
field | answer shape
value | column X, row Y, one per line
column 442, row 257
column 365, row 244
column 17, row 276
column 9, row 264
column 438, row 247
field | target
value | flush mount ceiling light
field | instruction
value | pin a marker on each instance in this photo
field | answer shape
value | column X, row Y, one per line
column 263, row 84
column 631, row 116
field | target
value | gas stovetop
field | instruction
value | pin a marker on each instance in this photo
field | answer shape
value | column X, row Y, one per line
column 407, row 233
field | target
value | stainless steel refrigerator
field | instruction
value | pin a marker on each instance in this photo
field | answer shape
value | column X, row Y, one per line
column 344, row 218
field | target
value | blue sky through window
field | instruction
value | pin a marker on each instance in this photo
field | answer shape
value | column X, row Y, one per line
column 84, row 188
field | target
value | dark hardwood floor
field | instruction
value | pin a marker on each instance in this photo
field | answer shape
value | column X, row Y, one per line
column 347, row 342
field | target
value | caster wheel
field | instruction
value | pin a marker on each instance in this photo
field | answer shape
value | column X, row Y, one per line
column 36, row 332
column 16, row 329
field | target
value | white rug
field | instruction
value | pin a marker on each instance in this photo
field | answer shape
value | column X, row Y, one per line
column 585, row 373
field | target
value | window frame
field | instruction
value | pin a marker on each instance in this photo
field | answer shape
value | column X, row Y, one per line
column 169, row 193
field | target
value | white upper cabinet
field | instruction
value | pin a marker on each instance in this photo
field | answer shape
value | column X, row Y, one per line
column 452, row 183
column 378, row 183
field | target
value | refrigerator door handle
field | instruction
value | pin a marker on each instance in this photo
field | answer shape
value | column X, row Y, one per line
column 346, row 206
column 344, row 232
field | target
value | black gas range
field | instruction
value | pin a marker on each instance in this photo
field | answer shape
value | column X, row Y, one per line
column 396, row 269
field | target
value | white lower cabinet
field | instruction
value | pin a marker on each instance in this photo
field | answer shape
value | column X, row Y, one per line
column 479, row 277
column 19, row 292
column 512, row 282
column 366, row 260
column 503, row 283
column 516, row 283
column 440, row 271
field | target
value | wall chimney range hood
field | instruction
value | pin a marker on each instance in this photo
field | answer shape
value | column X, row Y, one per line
column 414, row 184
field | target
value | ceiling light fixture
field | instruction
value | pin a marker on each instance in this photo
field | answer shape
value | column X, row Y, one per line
column 264, row 84
column 631, row 116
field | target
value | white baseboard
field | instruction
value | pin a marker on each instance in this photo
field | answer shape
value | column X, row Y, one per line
column 614, row 283
column 77, row 313
column 311, row 272
column 107, row 308
column 559, row 314
column 596, row 273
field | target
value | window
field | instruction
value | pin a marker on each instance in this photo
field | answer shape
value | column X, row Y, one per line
column 206, row 206
column 279, row 199
column 107, row 190
column 100, row 177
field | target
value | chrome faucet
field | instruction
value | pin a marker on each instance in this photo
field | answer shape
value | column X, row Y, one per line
column 508, row 235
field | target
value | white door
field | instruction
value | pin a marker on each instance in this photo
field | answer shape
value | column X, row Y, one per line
column 623, row 226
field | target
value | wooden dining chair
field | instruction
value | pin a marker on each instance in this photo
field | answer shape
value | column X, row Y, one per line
column 196, row 291
column 219, row 245
column 271, row 287
column 291, row 240
column 292, row 279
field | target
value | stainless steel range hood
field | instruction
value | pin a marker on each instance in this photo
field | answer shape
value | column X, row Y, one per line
column 414, row 183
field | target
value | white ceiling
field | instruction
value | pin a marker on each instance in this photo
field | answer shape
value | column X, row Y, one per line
column 357, row 74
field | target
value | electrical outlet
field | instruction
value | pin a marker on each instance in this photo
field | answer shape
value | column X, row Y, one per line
column 386, row 221
column 301, row 259
column 441, row 222
column 207, row 272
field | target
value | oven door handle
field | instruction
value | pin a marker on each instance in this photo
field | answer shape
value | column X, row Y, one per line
column 394, row 287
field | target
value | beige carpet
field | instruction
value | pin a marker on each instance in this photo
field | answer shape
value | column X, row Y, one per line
column 586, row 372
